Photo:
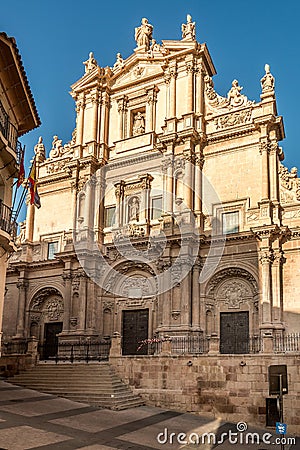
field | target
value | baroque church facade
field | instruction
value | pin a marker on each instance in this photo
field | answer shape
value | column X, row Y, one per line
column 170, row 212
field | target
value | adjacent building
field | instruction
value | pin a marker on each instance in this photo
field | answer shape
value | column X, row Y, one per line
column 18, row 115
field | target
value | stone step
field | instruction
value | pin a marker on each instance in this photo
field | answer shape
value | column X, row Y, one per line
column 95, row 384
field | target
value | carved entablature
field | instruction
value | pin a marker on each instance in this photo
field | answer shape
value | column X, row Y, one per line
column 289, row 184
column 233, row 119
column 216, row 103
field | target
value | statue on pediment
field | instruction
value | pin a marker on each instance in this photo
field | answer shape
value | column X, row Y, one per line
column 234, row 95
column 143, row 34
column 119, row 64
column 90, row 64
column 188, row 29
column 267, row 81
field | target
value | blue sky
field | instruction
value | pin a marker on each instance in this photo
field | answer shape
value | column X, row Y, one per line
column 55, row 37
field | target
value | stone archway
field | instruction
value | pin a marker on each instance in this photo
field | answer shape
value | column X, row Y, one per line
column 46, row 311
column 232, row 309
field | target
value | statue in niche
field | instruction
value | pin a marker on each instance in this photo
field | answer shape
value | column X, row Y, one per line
column 188, row 29
column 134, row 209
column 267, row 81
column 119, row 64
column 138, row 124
column 90, row 64
column 143, row 34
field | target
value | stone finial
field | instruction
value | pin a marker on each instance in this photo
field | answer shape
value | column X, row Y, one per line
column 143, row 35
column 40, row 151
column 90, row 64
column 119, row 64
column 267, row 81
column 188, row 29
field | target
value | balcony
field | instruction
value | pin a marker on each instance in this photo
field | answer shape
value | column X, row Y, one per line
column 7, row 225
column 9, row 132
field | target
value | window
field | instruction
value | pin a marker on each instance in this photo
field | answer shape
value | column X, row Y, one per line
column 156, row 208
column 109, row 217
column 52, row 248
column 230, row 222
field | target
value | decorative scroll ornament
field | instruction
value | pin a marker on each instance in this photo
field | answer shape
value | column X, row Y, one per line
column 289, row 184
column 234, row 97
column 58, row 149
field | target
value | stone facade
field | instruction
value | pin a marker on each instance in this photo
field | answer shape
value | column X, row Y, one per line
column 169, row 212
column 18, row 115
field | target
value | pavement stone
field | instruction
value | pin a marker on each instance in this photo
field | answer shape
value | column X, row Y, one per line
column 33, row 420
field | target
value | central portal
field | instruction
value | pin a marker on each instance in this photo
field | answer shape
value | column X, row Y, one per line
column 51, row 339
column 135, row 329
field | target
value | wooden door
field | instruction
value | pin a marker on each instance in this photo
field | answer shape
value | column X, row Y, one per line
column 234, row 332
column 51, row 339
column 134, row 330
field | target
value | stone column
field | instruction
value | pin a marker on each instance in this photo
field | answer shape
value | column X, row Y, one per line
column 82, row 302
column 199, row 94
column 80, row 104
column 264, row 150
column 74, row 204
column 188, row 182
column 190, row 83
column 198, row 167
column 67, row 277
column 196, row 297
column 266, row 259
column 186, row 286
column 173, row 75
column 95, row 102
column 105, row 127
column 277, row 288
column 122, row 109
column 22, row 286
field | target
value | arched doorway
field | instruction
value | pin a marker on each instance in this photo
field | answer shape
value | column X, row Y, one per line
column 232, row 310
column 46, row 320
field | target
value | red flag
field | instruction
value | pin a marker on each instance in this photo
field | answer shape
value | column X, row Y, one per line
column 34, row 196
column 21, row 174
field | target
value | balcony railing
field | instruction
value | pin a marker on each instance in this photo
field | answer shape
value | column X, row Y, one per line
column 6, row 223
column 9, row 132
column 289, row 343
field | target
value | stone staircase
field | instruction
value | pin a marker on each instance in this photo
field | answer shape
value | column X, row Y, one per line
column 96, row 384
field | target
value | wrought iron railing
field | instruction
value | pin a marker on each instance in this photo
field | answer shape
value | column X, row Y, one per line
column 286, row 343
column 17, row 347
column 9, row 132
column 7, row 224
column 78, row 351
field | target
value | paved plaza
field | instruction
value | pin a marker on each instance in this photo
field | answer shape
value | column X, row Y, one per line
column 33, row 420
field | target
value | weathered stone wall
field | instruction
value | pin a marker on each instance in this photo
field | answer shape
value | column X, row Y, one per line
column 233, row 387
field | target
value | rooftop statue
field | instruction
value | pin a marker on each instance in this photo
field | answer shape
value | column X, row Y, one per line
column 143, row 34
column 188, row 29
column 267, row 81
column 90, row 64
column 39, row 150
column 234, row 95
column 119, row 64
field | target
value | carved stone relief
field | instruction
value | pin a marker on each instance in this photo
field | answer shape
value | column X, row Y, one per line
column 289, row 184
